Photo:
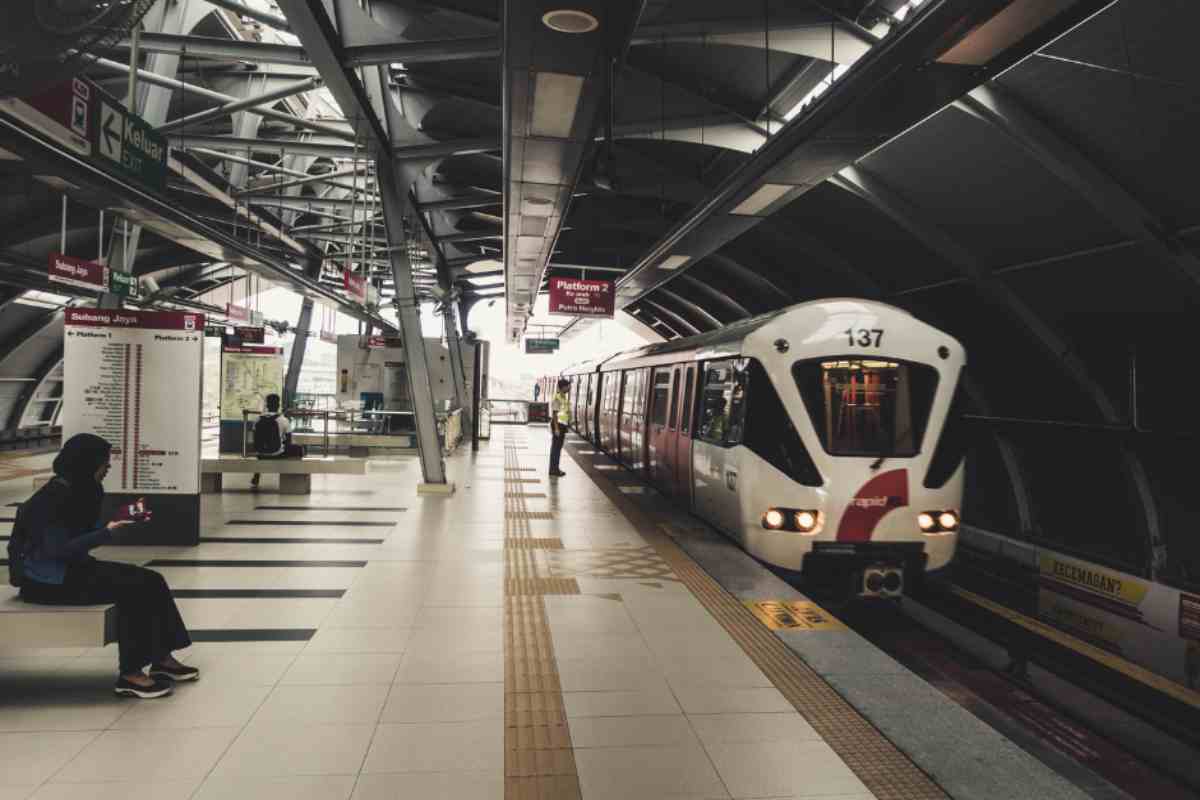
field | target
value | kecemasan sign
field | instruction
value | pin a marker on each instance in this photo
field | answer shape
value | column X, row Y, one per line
column 580, row 297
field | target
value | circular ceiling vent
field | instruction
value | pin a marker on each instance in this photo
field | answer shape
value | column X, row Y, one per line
column 570, row 20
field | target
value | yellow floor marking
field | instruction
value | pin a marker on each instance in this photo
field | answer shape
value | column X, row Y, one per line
column 802, row 615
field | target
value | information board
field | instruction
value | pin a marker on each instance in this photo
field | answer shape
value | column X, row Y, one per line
column 581, row 297
column 248, row 374
column 116, row 365
column 541, row 345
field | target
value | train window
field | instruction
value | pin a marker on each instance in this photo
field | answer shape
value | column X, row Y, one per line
column 674, row 401
column 952, row 443
column 737, row 403
column 662, row 391
column 687, row 402
column 769, row 431
column 714, row 403
column 867, row 407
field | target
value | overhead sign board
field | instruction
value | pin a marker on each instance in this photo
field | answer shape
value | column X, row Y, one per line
column 62, row 112
column 355, row 285
column 580, row 297
column 541, row 345
column 236, row 312
column 124, row 284
column 129, row 145
column 78, row 272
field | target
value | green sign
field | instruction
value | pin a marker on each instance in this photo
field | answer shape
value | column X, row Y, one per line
column 541, row 345
column 124, row 284
column 126, row 144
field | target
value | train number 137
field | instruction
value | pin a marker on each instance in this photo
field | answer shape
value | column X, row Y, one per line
column 864, row 337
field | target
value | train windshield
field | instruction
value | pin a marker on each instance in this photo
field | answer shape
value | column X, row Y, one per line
column 867, row 407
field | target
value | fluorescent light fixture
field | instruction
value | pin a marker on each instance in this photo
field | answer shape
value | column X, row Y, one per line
column 818, row 90
column 39, row 299
column 555, row 101
column 763, row 197
column 674, row 262
column 906, row 9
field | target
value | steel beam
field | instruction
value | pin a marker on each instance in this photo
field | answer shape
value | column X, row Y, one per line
column 289, row 146
column 423, row 52
column 296, row 357
column 720, row 297
column 221, row 49
column 246, row 103
column 712, row 322
column 243, row 10
column 677, row 321
column 1042, row 334
column 408, row 315
column 1001, row 111
column 458, row 375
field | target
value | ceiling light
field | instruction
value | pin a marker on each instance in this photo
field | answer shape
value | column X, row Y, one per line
column 555, row 100
column 40, row 299
column 765, row 196
column 674, row 262
column 570, row 20
column 818, row 90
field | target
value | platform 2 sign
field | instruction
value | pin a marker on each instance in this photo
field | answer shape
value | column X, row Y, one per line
column 579, row 297
column 118, row 365
column 541, row 345
column 128, row 144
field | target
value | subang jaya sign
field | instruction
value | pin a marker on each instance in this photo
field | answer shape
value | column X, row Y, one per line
column 78, row 272
column 582, row 297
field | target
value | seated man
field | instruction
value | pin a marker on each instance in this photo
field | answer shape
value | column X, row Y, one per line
column 273, row 436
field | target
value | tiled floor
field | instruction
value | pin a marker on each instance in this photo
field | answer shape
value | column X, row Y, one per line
column 399, row 692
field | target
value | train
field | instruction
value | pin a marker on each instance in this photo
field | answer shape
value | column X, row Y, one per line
column 824, row 438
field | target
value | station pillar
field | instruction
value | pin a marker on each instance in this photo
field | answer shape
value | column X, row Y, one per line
column 291, row 380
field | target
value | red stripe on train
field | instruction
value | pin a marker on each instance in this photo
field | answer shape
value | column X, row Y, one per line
column 876, row 498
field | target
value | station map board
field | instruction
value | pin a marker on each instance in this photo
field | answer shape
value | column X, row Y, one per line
column 248, row 374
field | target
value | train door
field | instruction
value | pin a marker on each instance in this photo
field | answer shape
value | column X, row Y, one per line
column 625, row 417
column 683, row 440
column 587, row 429
column 671, row 438
column 656, row 428
column 718, row 431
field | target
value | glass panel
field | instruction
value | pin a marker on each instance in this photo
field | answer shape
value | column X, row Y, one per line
column 737, row 404
column 714, row 403
column 769, row 431
column 662, row 390
column 687, row 400
column 865, row 407
column 674, row 401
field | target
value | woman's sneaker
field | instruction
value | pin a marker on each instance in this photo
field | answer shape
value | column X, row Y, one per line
column 179, row 673
column 158, row 688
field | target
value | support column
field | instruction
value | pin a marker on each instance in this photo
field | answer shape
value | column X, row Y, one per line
column 408, row 315
column 296, row 359
column 458, row 372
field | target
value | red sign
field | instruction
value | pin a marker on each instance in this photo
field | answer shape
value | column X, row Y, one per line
column 78, row 272
column 376, row 342
column 237, row 312
column 250, row 335
column 355, row 285
column 62, row 112
column 123, row 318
column 581, row 297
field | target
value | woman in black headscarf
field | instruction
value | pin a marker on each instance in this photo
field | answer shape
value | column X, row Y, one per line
column 57, row 528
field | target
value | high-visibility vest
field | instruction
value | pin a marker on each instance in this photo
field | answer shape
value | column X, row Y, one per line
column 561, row 408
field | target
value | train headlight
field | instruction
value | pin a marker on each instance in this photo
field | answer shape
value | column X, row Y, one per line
column 948, row 521
column 806, row 521
column 773, row 519
column 926, row 522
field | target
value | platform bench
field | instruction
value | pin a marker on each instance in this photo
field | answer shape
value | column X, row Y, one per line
column 27, row 625
column 295, row 474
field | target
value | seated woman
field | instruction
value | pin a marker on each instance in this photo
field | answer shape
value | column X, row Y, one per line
column 58, row 526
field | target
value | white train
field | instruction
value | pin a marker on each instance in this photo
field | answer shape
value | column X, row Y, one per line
column 816, row 436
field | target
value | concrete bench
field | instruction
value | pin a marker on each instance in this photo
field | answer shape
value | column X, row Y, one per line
column 26, row 625
column 295, row 474
column 359, row 444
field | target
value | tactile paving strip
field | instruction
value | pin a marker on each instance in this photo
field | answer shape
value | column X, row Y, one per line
column 539, row 763
column 887, row 772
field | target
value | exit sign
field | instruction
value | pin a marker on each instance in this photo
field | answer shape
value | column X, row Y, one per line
column 541, row 345
column 126, row 144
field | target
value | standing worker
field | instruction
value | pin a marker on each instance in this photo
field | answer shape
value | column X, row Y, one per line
column 537, row 391
column 560, row 418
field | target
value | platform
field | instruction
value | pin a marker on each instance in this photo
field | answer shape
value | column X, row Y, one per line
column 527, row 638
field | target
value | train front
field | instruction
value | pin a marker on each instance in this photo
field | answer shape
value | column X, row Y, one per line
column 869, row 390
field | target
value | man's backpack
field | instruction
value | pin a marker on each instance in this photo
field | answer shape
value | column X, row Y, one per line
column 266, row 435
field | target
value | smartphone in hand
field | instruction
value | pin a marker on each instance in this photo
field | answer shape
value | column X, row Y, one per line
column 134, row 512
